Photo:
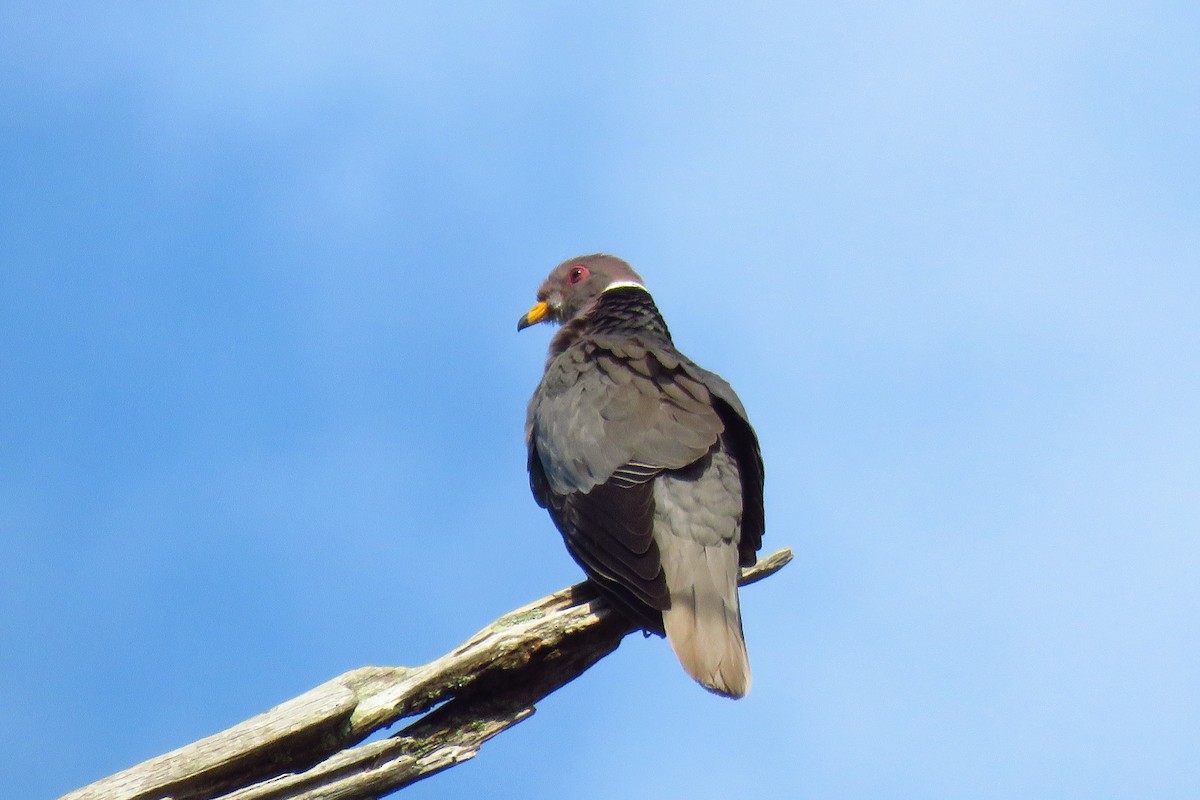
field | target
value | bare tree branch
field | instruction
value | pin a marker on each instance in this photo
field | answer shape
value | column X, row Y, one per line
column 308, row 748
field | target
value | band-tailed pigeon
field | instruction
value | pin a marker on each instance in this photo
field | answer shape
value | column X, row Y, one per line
column 648, row 466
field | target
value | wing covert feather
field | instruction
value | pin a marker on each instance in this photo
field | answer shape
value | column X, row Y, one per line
column 613, row 404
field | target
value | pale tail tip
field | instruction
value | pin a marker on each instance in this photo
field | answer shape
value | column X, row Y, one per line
column 733, row 689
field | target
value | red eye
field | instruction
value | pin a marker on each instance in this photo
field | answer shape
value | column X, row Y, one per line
column 577, row 274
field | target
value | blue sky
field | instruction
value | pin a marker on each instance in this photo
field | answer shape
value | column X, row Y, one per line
column 261, row 396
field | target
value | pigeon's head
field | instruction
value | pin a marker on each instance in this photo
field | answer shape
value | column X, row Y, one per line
column 575, row 285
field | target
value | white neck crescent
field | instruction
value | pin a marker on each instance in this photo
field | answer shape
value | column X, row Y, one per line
column 624, row 285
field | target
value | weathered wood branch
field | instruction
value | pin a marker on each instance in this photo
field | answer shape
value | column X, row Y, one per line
column 310, row 747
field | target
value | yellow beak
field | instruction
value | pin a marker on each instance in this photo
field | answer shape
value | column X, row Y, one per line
column 533, row 316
